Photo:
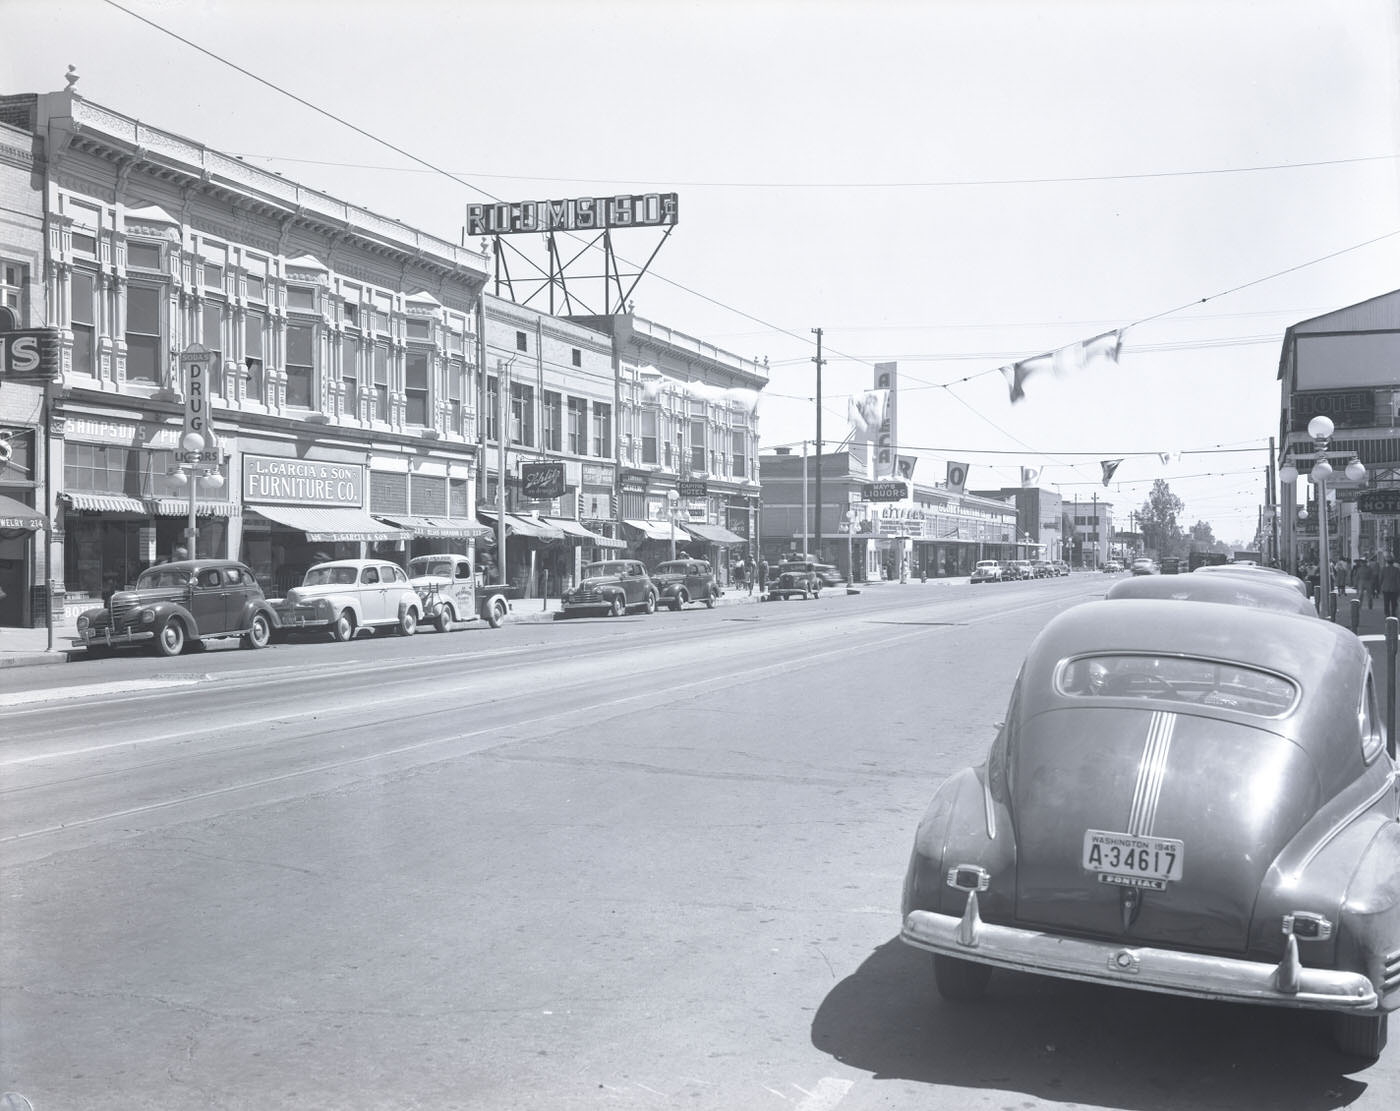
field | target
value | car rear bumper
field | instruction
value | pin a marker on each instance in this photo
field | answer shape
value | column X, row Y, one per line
column 1286, row 984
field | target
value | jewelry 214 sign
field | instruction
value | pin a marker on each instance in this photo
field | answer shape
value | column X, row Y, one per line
column 542, row 481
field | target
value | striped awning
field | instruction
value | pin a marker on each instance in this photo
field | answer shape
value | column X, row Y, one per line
column 106, row 503
column 569, row 527
column 180, row 507
column 713, row 534
column 439, row 528
column 525, row 526
column 327, row 525
column 15, row 514
column 656, row 530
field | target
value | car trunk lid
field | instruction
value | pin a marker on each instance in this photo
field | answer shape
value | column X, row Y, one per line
column 1212, row 800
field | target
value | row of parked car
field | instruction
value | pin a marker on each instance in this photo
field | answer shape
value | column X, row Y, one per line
column 996, row 570
column 189, row 603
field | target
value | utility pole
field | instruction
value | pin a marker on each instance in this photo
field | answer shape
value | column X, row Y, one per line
column 1095, row 519
column 817, row 530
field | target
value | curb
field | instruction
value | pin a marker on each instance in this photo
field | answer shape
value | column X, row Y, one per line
column 35, row 659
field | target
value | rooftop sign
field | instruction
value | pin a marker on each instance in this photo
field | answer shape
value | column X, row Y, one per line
column 644, row 210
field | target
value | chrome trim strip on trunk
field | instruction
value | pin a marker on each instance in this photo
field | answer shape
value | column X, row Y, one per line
column 1152, row 773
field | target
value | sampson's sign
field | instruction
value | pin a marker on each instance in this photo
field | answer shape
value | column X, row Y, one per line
column 643, row 210
column 274, row 481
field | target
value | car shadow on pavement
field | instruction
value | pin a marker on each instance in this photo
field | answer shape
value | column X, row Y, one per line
column 1074, row 1043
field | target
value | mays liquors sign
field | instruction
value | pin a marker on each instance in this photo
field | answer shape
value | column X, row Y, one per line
column 274, row 481
column 644, row 210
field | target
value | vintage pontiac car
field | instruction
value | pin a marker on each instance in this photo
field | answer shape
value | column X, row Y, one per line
column 686, row 580
column 988, row 571
column 795, row 577
column 175, row 606
column 1253, row 572
column 1184, row 798
column 345, row 596
column 451, row 594
column 612, row 587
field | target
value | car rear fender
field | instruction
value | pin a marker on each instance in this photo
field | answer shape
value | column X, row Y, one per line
column 964, row 826
column 259, row 606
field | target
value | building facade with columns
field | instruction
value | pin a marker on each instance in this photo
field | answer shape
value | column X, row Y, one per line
column 344, row 346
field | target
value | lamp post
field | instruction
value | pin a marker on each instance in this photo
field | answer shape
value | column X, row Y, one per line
column 196, row 465
column 673, row 497
column 1320, row 429
column 850, row 546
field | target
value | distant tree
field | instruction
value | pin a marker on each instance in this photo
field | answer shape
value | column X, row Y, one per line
column 1203, row 537
column 1158, row 519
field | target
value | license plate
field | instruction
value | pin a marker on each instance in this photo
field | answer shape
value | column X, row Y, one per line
column 1126, row 860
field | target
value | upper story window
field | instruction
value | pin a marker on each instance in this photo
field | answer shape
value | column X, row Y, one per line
column 697, row 446
column 416, row 387
column 522, row 414
column 650, row 419
column 12, row 283
column 84, row 242
column 301, row 365
column 578, row 426
column 418, row 328
column 350, row 374
column 490, row 420
column 212, row 313
column 602, row 430
column 553, row 421
column 521, row 342
column 143, row 254
column 577, row 356
column 456, row 389
column 254, row 324
column 738, row 454
column 257, row 288
column 301, row 297
column 144, row 336
column 381, row 382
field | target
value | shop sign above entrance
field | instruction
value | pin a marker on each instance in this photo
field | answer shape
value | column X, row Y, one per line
column 30, row 355
column 275, row 481
column 1383, row 502
column 542, row 481
column 692, row 489
column 884, row 491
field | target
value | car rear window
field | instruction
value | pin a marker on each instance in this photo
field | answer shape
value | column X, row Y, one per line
column 1201, row 682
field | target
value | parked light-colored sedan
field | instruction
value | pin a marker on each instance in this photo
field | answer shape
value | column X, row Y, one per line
column 345, row 596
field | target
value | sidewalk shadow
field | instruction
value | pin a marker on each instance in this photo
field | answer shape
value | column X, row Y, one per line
column 1074, row 1043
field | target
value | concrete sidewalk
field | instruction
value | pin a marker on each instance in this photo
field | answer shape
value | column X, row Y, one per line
column 30, row 647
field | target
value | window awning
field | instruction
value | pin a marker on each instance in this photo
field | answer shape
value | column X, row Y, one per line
column 15, row 514
column 714, row 534
column 180, row 507
column 324, row 525
column 106, row 503
column 525, row 526
column 441, row 528
column 569, row 527
column 656, row 530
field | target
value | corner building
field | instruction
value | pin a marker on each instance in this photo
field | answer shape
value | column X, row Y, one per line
column 344, row 402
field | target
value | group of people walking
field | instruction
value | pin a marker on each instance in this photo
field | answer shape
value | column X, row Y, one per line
column 1367, row 578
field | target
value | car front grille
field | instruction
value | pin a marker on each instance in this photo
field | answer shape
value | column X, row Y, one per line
column 587, row 596
column 122, row 607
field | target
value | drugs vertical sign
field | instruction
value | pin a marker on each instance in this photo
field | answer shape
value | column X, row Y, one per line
column 195, row 369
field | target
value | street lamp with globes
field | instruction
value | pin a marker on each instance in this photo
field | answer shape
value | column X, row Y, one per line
column 194, row 469
column 673, row 497
column 1320, row 429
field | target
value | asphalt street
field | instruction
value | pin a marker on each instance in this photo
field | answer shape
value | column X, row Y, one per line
column 646, row 862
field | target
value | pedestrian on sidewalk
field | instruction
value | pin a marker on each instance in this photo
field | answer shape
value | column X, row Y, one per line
column 763, row 576
column 1390, row 587
column 1364, row 580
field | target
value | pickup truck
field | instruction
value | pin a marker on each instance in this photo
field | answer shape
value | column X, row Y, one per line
column 451, row 596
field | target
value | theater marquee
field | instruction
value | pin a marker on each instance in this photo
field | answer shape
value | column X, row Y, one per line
column 644, row 210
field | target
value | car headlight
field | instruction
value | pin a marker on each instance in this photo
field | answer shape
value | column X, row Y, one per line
column 325, row 605
column 146, row 616
column 82, row 622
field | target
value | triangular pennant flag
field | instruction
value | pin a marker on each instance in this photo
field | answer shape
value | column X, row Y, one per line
column 1063, row 360
column 1109, row 466
column 904, row 466
column 1030, row 475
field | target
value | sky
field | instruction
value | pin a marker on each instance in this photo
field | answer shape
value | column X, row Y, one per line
column 949, row 185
